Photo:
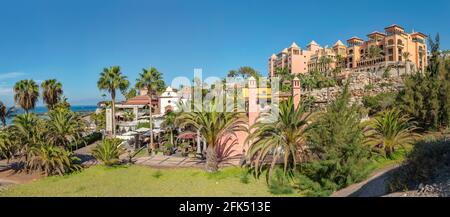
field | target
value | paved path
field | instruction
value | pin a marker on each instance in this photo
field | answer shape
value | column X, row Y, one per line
column 375, row 186
column 85, row 155
column 169, row 161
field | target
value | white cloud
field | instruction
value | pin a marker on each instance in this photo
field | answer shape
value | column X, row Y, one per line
column 10, row 75
column 4, row 91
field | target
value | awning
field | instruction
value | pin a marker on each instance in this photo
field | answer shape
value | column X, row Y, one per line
column 187, row 136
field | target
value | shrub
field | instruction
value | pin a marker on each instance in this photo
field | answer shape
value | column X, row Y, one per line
column 336, row 141
column 87, row 140
column 423, row 163
column 108, row 151
column 311, row 188
column 168, row 148
column 425, row 95
column 157, row 174
column 379, row 102
column 143, row 125
column 280, row 184
column 245, row 176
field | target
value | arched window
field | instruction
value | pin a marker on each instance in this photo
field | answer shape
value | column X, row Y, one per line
column 399, row 41
column 390, row 41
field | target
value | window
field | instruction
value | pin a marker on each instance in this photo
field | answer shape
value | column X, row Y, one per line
column 400, row 42
column 390, row 41
column 390, row 51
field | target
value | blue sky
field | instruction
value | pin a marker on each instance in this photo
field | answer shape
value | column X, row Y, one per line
column 73, row 40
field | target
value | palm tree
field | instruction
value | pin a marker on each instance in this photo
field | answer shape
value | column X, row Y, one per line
column 325, row 62
column 151, row 80
column 391, row 129
column 26, row 93
column 51, row 92
column 339, row 61
column 169, row 124
column 131, row 93
column 108, row 151
column 7, row 144
column 213, row 125
column 5, row 113
column 111, row 80
column 232, row 73
column 373, row 54
column 65, row 126
column 52, row 160
column 285, row 139
column 405, row 56
column 29, row 131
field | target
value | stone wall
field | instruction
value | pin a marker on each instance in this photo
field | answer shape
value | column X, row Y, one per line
column 361, row 84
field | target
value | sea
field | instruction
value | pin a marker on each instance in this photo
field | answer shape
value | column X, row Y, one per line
column 42, row 110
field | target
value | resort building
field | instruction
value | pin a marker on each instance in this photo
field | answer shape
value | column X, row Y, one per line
column 324, row 59
column 169, row 99
column 397, row 49
column 293, row 58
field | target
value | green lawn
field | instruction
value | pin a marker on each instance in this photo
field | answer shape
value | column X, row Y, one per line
column 143, row 181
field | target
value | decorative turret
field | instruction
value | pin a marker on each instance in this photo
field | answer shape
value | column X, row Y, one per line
column 296, row 91
column 253, row 110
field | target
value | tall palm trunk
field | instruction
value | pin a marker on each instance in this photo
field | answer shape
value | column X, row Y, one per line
column 406, row 62
column 151, row 121
column 212, row 164
column 171, row 136
column 113, row 110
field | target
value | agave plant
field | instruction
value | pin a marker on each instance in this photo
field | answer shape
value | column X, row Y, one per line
column 108, row 151
column 390, row 129
column 51, row 160
column 285, row 139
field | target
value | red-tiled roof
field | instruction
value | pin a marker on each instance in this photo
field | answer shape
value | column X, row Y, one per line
column 140, row 100
column 355, row 38
column 394, row 25
column 376, row 33
column 419, row 33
